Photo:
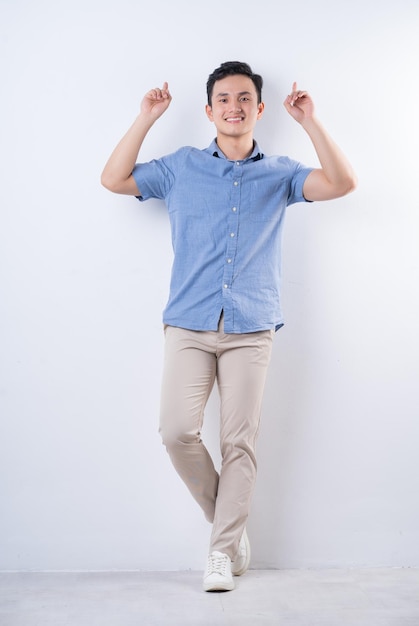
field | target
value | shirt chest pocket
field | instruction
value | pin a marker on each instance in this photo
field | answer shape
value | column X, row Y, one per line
column 264, row 202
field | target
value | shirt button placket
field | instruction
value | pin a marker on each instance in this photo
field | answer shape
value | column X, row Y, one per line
column 233, row 226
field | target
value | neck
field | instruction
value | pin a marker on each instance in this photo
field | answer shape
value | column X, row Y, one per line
column 235, row 149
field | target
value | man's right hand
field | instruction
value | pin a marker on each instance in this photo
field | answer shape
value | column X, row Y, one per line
column 156, row 101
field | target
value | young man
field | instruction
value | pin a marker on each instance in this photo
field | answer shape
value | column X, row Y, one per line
column 226, row 206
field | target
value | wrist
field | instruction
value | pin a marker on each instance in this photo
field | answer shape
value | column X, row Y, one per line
column 310, row 122
column 145, row 120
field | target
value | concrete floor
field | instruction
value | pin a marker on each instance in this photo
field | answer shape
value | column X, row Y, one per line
column 361, row 597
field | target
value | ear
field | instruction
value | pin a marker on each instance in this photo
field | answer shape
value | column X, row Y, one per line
column 208, row 111
column 261, row 108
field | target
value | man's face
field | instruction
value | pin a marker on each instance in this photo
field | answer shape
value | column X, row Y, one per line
column 234, row 108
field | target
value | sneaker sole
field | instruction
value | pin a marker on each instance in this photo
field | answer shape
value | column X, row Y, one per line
column 219, row 586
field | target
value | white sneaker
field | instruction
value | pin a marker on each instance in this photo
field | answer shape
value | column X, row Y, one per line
column 242, row 560
column 218, row 576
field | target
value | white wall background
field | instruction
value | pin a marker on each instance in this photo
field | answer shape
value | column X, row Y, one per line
column 85, row 481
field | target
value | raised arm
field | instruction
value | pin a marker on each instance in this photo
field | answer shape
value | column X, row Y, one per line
column 117, row 174
column 336, row 177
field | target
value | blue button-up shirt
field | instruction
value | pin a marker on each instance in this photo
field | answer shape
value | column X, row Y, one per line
column 226, row 221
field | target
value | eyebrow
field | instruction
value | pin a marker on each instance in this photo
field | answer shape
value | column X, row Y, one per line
column 241, row 93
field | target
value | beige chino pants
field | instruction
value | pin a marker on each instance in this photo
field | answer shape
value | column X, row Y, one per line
column 193, row 361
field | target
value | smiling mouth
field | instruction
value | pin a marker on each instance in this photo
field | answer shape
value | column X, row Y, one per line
column 234, row 120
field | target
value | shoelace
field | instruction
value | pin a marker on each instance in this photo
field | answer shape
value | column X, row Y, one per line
column 217, row 564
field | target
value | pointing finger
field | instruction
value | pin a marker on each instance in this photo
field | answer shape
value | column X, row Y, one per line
column 293, row 95
column 165, row 90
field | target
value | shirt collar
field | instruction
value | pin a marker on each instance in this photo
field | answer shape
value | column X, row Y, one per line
column 256, row 154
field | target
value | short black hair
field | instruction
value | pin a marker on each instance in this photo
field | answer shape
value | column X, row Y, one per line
column 230, row 68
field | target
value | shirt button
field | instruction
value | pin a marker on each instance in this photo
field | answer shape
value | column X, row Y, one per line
column 237, row 162
column 228, row 260
column 225, row 286
column 234, row 209
column 231, row 234
column 235, row 183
